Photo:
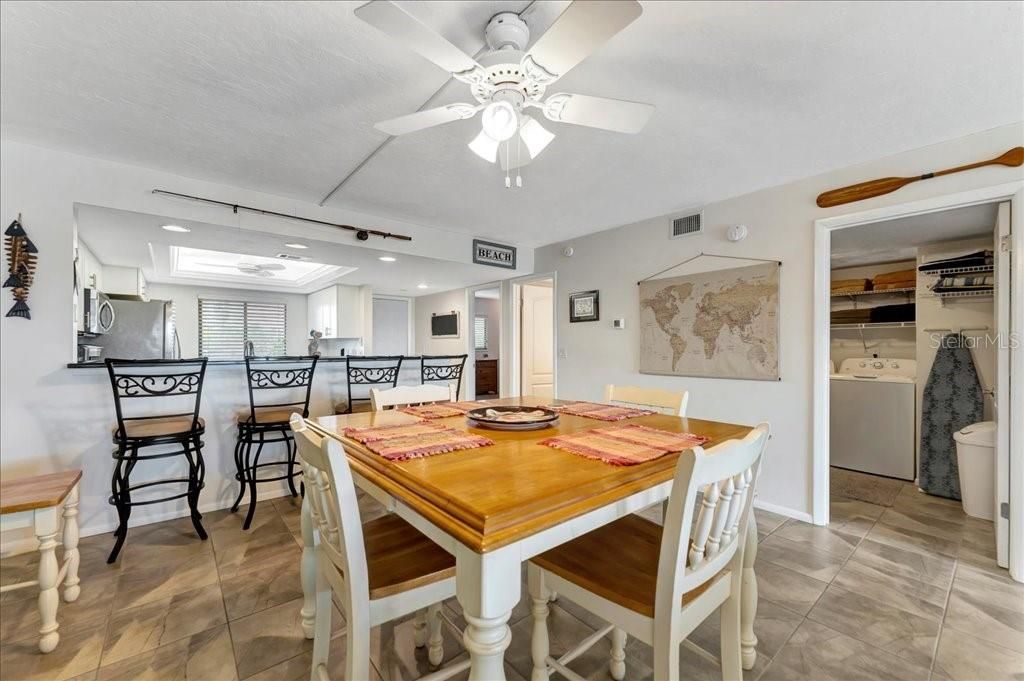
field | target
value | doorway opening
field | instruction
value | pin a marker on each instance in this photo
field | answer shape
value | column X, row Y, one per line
column 485, row 334
column 913, row 353
column 534, row 320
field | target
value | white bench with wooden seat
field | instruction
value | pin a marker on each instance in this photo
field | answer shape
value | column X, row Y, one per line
column 659, row 584
column 380, row 571
column 45, row 497
column 655, row 399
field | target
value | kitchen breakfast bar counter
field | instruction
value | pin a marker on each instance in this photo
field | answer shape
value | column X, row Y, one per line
column 80, row 432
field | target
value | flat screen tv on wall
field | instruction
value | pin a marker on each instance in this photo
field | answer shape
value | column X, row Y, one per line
column 444, row 325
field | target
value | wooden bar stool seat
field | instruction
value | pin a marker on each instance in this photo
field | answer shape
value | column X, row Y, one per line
column 172, row 427
column 44, row 496
column 268, row 416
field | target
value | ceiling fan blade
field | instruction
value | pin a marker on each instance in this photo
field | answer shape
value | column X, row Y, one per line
column 583, row 27
column 388, row 17
column 426, row 119
column 618, row 115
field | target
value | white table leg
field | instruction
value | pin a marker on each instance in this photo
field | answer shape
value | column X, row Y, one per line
column 487, row 586
column 70, row 541
column 748, row 597
column 46, row 531
column 308, row 570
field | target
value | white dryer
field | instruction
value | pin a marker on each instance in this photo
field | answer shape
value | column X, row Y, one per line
column 873, row 416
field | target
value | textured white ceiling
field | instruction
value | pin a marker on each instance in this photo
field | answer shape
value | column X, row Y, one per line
column 282, row 97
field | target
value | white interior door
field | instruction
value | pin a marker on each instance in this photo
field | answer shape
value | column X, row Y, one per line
column 537, row 343
column 1003, row 397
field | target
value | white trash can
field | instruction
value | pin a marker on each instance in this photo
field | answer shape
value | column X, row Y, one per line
column 975, row 456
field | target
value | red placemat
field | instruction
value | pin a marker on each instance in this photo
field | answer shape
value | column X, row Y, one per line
column 601, row 412
column 624, row 445
column 442, row 410
column 415, row 440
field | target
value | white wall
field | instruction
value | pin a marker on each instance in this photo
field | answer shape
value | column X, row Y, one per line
column 186, row 312
column 781, row 223
column 892, row 343
column 442, row 303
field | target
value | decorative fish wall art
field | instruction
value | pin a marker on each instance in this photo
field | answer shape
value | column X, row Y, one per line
column 21, row 267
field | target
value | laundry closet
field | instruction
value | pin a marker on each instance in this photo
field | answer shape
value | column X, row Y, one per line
column 914, row 349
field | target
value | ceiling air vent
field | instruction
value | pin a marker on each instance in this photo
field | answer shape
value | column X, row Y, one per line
column 291, row 256
column 687, row 224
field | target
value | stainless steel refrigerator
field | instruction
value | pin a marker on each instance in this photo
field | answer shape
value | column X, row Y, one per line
column 141, row 330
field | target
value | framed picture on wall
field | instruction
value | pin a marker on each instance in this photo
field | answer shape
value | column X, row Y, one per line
column 584, row 307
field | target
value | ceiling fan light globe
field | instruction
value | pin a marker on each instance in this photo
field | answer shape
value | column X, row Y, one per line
column 485, row 147
column 535, row 136
column 500, row 121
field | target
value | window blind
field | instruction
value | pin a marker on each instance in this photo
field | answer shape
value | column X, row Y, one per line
column 225, row 325
column 480, row 333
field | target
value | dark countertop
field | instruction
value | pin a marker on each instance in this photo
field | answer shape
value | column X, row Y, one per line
column 229, row 362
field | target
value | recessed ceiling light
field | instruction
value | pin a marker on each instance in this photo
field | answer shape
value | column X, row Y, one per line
column 387, row 258
column 296, row 244
column 175, row 228
column 422, row 286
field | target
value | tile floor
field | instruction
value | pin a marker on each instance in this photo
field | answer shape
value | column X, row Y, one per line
column 894, row 593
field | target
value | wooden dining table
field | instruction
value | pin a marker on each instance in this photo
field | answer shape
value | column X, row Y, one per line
column 495, row 507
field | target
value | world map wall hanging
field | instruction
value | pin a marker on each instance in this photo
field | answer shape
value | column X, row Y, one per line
column 718, row 324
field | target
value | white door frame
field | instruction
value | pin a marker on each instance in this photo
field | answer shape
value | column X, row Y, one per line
column 470, row 370
column 823, row 228
column 511, row 362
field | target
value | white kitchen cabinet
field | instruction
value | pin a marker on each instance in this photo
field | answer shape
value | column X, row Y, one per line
column 126, row 281
column 336, row 311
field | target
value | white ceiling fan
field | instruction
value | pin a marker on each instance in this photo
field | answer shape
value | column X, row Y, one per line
column 264, row 270
column 507, row 82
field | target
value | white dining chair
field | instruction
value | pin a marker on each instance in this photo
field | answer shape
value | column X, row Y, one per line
column 656, row 399
column 410, row 395
column 659, row 584
column 380, row 571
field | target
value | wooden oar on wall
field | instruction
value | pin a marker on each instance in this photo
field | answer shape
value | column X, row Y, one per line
column 867, row 190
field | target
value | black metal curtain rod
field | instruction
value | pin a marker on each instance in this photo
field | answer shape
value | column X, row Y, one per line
column 361, row 233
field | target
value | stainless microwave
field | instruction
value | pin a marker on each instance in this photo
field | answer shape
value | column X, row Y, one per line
column 98, row 313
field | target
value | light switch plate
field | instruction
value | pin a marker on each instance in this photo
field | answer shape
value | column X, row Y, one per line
column 618, row 323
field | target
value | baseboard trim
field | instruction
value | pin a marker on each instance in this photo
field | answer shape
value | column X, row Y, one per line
column 782, row 510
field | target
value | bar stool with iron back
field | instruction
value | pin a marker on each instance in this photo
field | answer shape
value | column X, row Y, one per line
column 178, row 382
column 288, row 380
column 443, row 369
column 380, row 371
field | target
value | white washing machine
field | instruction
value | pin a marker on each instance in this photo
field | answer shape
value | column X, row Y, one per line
column 873, row 416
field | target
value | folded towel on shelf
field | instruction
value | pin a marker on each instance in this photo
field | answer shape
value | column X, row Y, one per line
column 966, row 281
column 976, row 259
column 850, row 285
column 859, row 316
column 893, row 277
column 894, row 313
column 903, row 283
